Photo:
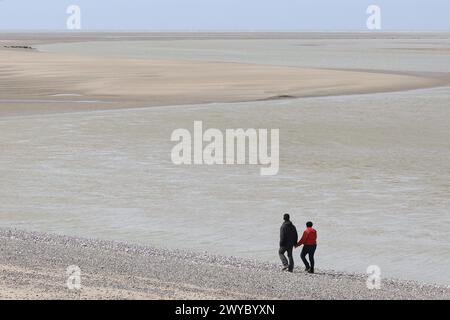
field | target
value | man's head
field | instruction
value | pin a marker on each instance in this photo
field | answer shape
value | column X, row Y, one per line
column 309, row 224
column 286, row 217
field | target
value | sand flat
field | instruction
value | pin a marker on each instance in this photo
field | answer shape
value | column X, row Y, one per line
column 33, row 82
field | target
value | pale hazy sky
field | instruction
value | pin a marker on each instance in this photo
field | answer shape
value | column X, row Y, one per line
column 331, row 15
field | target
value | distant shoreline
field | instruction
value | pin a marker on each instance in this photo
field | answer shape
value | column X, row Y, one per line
column 33, row 266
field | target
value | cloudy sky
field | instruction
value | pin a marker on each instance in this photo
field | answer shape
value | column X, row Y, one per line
column 216, row 15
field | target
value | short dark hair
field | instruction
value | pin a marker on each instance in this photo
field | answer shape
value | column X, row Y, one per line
column 286, row 217
column 309, row 224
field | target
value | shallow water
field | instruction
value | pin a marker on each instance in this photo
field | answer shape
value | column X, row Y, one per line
column 421, row 54
column 371, row 171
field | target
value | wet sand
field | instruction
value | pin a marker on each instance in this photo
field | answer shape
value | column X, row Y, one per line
column 35, row 82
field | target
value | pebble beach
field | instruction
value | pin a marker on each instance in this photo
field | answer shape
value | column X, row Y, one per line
column 34, row 265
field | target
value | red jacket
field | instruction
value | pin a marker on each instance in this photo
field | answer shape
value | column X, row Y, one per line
column 309, row 237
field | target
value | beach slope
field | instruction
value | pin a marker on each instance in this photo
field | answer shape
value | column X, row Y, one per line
column 34, row 265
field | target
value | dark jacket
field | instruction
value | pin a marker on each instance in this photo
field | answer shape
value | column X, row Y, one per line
column 288, row 235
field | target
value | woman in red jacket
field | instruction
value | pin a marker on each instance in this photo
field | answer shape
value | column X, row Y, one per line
column 309, row 242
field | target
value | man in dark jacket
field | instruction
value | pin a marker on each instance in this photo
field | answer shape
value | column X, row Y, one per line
column 288, row 239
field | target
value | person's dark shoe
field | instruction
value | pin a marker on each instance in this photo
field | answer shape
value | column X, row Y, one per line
column 290, row 270
column 311, row 270
column 285, row 269
column 307, row 269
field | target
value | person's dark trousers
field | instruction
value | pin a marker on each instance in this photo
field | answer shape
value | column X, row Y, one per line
column 308, row 250
column 287, row 264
